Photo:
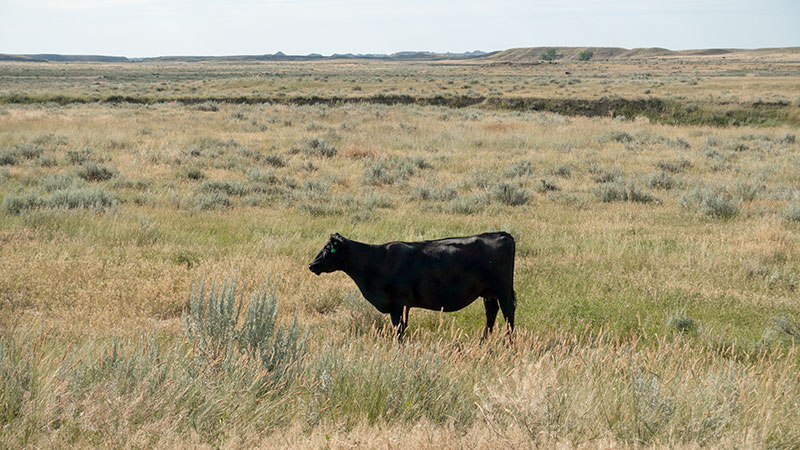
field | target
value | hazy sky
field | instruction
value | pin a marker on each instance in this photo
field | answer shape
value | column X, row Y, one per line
column 236, row 27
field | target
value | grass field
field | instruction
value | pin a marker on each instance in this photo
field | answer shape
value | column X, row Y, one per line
column 657, row 268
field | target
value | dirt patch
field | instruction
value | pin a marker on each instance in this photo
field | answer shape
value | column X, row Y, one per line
column 356, row 151
column 499, row 127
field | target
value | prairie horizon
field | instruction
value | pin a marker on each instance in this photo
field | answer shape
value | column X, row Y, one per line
column 517, row 53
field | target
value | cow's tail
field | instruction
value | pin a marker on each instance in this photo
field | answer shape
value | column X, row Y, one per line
column 513, row 263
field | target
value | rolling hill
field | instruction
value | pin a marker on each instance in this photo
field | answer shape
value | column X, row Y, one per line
column 531, row 54
column 514, row 55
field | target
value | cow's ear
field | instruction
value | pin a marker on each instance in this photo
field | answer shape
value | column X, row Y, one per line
column 337, row 237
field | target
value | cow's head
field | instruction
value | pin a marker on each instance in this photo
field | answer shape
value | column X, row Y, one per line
column 332, row 256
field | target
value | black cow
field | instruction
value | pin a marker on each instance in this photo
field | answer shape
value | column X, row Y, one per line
column 445, row 274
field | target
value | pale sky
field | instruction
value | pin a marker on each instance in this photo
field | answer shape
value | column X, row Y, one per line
column 138, row 28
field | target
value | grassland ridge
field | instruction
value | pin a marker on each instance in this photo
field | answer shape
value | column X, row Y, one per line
column 657, row 110
column 564, row 53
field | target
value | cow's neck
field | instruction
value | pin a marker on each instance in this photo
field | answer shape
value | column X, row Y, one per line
column 362, row 261
column 363, row 267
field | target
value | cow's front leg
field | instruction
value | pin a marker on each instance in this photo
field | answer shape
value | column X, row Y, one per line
column 399, row 321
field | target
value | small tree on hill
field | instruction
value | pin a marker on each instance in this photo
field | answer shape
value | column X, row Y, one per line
column 585, row 55
column 550, row 54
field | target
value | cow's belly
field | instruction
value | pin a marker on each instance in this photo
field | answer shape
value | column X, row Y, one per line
column 447, row 297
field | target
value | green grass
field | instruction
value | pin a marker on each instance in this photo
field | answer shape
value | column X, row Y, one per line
column 667, row 323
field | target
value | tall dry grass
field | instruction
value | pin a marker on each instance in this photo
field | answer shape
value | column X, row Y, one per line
column 670, row 322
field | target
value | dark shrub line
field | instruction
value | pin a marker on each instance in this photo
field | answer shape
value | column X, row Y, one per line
column 664, row 111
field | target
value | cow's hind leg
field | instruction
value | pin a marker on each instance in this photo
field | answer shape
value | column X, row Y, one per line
column 399, row 321
column 508, row 304
column 492, row 306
